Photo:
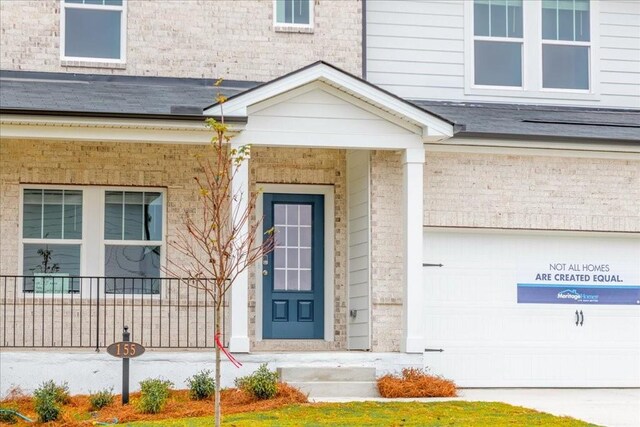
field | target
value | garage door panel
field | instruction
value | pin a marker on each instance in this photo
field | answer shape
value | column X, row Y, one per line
column 463, row 325
column 490, row 340
column 540, row 367
column 459, row 287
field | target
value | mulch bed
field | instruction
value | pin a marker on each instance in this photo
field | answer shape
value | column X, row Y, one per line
column 77, row 412
column 413, row 382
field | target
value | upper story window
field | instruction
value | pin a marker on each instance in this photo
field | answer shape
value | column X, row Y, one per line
column 565, row 44
column 498, row 42
column 294, row 13
column 93, row 30
column 537, row 46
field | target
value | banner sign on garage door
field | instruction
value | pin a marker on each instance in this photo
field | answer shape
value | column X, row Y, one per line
column 579, row 283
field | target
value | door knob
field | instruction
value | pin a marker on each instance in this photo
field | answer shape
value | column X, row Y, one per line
column 265, row 273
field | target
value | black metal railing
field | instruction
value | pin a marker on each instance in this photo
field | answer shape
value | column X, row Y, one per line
column 55, row 310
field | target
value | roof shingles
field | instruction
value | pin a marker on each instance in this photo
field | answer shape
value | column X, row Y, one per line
column 70, row 93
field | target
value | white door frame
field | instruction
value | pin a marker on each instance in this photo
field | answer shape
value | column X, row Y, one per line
column 329, row 247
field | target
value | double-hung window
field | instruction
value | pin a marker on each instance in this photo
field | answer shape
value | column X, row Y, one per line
column 92, row 231
column 51, row 239
column 498, row 40
column 565, row 44
column 93, row 30
column 294, row 13
column 133, row 241
column 538, row 46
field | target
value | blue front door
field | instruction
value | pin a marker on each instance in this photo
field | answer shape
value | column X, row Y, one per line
column 293, row 274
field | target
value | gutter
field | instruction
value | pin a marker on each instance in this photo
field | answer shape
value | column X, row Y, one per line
column 94, row 114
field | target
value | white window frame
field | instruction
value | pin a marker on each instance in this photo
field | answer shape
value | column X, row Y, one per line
column 31, row 240
column 123, row 32
column 93, row 244
column 329, row 251
column 532, row 58
column 588, row 44
column 292, row 26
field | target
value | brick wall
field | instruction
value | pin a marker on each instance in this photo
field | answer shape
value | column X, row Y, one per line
column 490, row 190
column 222, row 38
column 92, row 163
column 171, row 167
column 387, row 271
column 560, row 193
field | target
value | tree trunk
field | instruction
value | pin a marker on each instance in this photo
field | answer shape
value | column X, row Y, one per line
column 218, row 308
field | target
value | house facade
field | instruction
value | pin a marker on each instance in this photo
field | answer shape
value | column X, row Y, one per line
column 454, row 184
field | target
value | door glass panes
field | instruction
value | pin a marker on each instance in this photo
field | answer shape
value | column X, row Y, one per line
column 140, row 265
column 292, row 253
column 498, row 63
column 498, row 57
column 52, row 214
column 133, row 215
column 292, row 11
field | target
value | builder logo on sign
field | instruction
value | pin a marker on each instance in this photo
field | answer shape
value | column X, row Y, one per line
column 577, row 296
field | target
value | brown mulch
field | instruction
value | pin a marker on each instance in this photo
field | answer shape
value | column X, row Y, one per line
column 413, row 382
column 77, row 412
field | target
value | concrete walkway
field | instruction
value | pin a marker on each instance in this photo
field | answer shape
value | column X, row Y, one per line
column 604, row 407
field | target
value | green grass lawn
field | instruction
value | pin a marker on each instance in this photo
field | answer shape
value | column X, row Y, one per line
column 385, row 414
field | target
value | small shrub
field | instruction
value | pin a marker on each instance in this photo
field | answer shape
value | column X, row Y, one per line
column 153, row 395
column 48, row 398
column 414, row 382
column 7, row 414
column 262, row 384
column 201, row 385
column 101, row 399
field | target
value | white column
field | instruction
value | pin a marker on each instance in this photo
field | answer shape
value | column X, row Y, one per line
column 239, row 340
column 413, row 183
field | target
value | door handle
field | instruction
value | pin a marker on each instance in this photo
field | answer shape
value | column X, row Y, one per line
column 265, row 273
column 581, row 317
column 577, row 318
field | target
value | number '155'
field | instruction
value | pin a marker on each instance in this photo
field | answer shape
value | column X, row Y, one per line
column 126, row 350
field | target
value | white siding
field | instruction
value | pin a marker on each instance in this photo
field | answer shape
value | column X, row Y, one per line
column 416, row 49
column 358, row 249
column 323, row 116
column 620, row 53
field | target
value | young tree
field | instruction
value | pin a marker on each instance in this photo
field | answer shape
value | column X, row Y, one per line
column 220, row 240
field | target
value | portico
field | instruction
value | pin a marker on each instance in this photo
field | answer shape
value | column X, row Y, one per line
column 291, row 113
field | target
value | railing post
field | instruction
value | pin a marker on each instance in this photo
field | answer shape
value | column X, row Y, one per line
column 97, row 315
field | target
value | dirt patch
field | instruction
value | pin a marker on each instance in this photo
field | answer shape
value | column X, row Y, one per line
column 415, row 382
column 77, row 412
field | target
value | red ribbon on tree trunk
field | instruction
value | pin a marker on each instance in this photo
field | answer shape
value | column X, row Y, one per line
column 232, row 359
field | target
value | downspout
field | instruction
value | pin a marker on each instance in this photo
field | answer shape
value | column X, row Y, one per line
column 364, row 39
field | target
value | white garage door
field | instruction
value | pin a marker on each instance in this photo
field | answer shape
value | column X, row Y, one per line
column 533, row 310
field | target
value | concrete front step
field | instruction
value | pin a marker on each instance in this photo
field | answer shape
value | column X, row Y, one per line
column 337, row 388
column 342, row 373
column 343, row 381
